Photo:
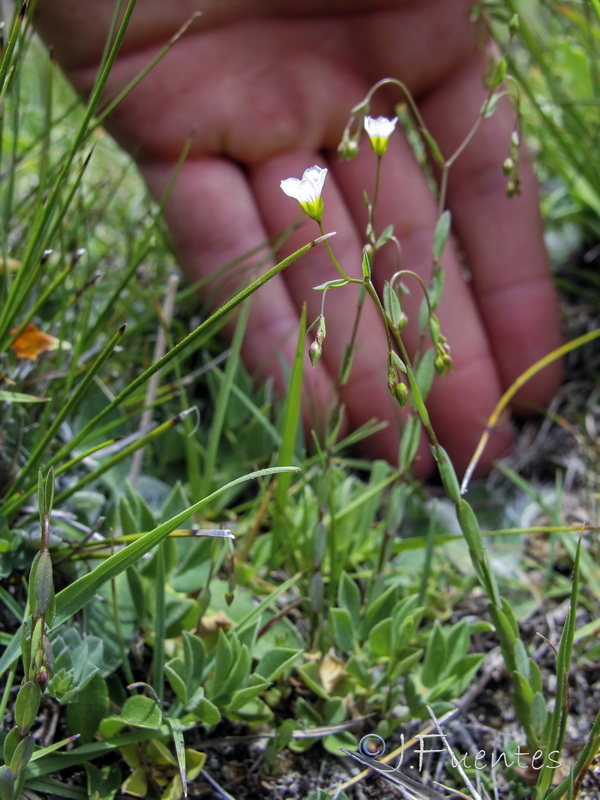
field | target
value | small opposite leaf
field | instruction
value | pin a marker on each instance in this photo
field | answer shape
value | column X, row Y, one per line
column 440, row 236
column 330, row 284
column 433, row 146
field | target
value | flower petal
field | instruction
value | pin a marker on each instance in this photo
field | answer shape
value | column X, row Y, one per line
column 380, row 127
column 291, row 187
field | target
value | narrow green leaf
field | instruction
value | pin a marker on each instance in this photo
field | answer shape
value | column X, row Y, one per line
column 385, row 236
column 41, row 505
column 291, row 420
column 23, row 752
column 496, row 76
column 521, row 659
column 194, row 657
column 366, row 267
column 256, row 612
column 19, row 397
column 10, row 744
column 223, row 661
column 470, row 528
column 348, row 597
column 27, row 705
column 177, row 736
column 416, row 400
column 330, row 284
column 440, row 236
column 380, row 638
column 409, row 442
column 447, row 474
column 458, row 641
column 434, row 664
column 276, row 661
column 433, row 146
column 526, row 696
column 43, row 585
column 243, row 696
column 343, row 628
column 49, row 490
column 425, row 372
column 174, row 671
column 436, row 287
column 7, row 783
column 538, row 713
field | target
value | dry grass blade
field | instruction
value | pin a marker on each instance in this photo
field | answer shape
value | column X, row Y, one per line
column 408, row 787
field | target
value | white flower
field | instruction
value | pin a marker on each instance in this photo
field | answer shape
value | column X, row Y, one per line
column 307, row 191
column 379, row 130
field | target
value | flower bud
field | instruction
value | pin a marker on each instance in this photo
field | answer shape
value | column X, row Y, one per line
column 42, row 679
column 401, row 394
column 315, row 352
column 347, row 148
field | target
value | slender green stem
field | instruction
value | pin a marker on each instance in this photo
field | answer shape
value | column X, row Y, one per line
column 129, row 677
column 373, row 204
column 160, row 625
column 336, row 263
column 371, row 291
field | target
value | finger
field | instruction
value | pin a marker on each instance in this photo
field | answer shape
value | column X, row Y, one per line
column 460, row 401
column 502, row 237
column 213, row 220
column 367, row 394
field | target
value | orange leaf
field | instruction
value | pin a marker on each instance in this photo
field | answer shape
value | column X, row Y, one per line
column 32, row 341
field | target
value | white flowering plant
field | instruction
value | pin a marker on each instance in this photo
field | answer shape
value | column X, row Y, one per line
column 409, row 379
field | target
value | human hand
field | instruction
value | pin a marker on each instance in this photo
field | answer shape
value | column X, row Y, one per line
column 265, row 89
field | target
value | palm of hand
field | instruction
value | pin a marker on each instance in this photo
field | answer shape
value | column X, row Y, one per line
column 263, row 97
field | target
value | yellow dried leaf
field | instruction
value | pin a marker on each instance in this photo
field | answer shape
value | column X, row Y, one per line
column 32, row 341
column 216, row 621
column 10, row 264
column 331, row 671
